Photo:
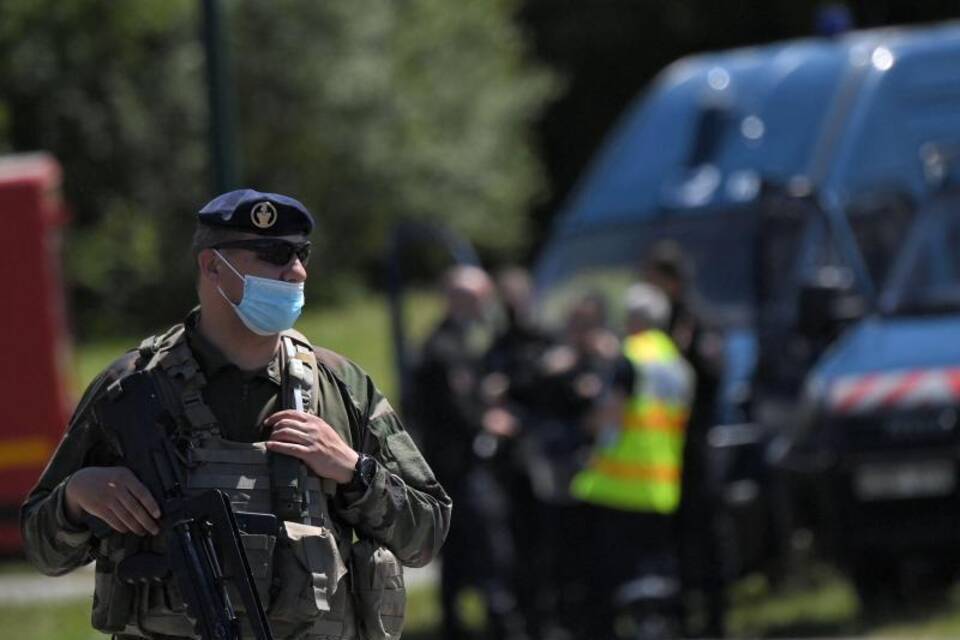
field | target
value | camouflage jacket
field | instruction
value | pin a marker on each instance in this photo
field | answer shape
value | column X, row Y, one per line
column 404, row 508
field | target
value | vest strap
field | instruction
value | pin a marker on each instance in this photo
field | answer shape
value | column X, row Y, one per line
column 172, row 355
column 289, row 476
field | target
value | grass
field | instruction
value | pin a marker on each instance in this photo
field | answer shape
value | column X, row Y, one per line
column 423, row 613
column 70, row 620
column 62, row 621
column 922, row 622
column 821, row 603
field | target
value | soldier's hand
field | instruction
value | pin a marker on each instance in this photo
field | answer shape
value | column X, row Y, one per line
column 312, row 440
column 114, row 495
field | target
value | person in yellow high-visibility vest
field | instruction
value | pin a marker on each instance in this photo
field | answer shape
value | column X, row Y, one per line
column 633, row 478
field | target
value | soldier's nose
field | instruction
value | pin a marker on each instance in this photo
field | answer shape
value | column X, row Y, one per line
column 295, row 272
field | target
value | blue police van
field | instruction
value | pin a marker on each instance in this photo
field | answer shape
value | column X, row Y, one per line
column 806, row 181
column 869, row 465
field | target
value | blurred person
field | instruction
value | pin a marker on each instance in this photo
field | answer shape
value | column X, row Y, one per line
column 572, row 377
column 449, row 410
column 571, row 382
column 632, row 480
column 337, row 466
column 537, row 386
column 668, row 268
column 508, row 363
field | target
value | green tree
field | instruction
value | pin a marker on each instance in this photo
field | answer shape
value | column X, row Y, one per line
column 114, row 91
column 390, row 109
column 369, row 111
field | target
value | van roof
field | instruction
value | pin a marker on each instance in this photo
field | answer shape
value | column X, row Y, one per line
column 838, row 114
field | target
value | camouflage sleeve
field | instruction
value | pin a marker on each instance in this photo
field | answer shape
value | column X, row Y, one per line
column 53, row 543
column 404, row 508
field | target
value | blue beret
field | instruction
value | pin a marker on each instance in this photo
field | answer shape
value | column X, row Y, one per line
column 267, row 214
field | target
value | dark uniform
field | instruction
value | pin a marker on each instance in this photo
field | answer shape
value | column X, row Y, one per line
column 549, row 386
column 701, row 564
column 398, row 503
column 448, row 410
column 627, row 545
column 514, row 529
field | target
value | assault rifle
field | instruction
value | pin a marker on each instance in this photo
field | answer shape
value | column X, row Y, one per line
column 197, row 530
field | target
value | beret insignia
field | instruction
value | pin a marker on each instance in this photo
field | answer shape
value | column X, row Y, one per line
column 263, row 215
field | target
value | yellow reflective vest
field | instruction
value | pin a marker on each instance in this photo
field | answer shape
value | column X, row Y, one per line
column 639, row 469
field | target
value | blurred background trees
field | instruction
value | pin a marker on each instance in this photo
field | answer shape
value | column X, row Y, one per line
column 114, row 91
column 479, row 114
column 368, row 111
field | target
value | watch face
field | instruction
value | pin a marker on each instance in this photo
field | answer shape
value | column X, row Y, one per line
column 367, row 466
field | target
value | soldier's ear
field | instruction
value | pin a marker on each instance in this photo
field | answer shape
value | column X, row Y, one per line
column 209, row 265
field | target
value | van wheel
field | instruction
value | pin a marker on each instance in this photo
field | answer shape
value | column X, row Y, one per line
column 878, row 585
column 884, row 585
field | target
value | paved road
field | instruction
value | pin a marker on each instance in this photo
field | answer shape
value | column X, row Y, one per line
column 33, row 587
column 17, row 588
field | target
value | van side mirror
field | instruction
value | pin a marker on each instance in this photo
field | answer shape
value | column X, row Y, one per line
column 941, row 164
column 828, row 304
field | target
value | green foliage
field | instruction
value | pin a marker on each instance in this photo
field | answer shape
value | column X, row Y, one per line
column 133, row 245
column 114, row 91
column 384, row 110
column 369, row 111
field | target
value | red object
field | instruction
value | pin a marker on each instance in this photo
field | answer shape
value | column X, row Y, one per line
column 34, row 348
column 904, row 389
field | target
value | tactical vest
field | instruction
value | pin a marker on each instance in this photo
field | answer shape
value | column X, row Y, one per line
column 639, row 470
column 301, row 573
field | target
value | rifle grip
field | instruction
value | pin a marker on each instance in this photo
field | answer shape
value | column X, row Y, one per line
column 144, row 567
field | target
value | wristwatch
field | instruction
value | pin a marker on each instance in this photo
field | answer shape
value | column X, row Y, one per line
column 363, row 473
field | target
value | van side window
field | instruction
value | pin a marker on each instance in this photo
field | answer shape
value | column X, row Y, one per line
column 931, row 279
column 880, row 224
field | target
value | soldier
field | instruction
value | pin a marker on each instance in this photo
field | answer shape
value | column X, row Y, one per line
column 340, row 475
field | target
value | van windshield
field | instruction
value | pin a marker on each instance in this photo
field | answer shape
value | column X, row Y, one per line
column 926, row 278
column 606, row 259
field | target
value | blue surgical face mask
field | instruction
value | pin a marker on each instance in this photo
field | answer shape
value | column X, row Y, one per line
column 268, row 306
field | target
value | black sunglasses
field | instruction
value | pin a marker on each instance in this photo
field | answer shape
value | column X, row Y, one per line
column 274, row 251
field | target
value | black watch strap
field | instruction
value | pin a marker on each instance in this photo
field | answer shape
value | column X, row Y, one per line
column 363, row 473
